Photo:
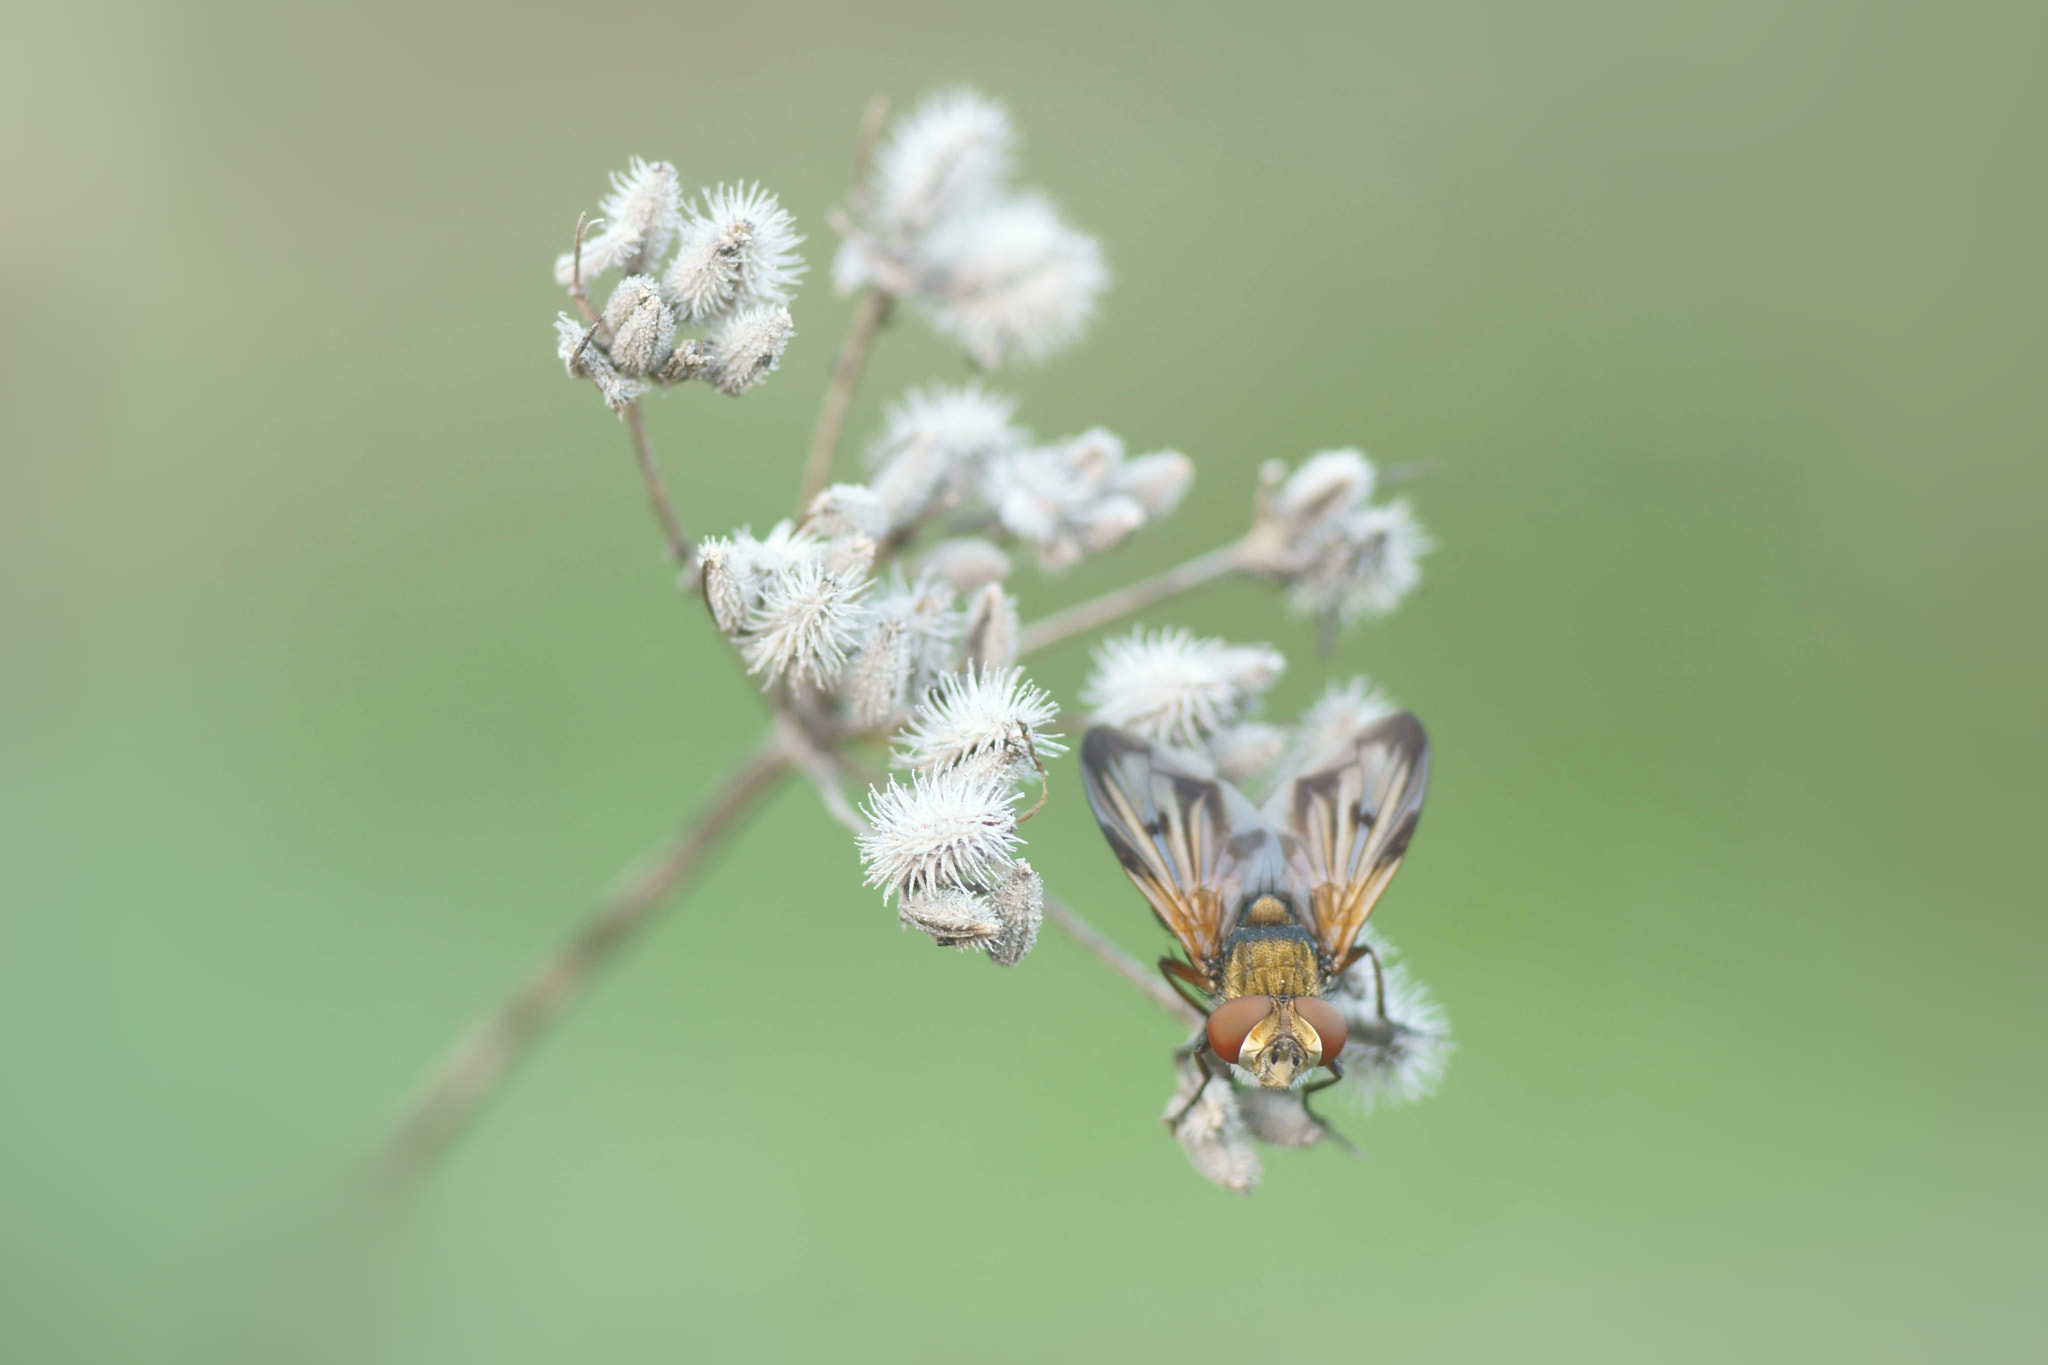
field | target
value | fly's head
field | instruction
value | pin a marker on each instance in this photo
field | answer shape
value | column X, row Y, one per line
column 1279, row 1039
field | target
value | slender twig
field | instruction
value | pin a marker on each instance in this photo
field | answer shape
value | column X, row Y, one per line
column 657, row 492
column 1106, row 951
column 576, row 290
column 871, row 120
column 481, row 1062
column 853, row 358
column 1101, row 610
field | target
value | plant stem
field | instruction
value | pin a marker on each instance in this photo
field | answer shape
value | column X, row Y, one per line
column 1101, row 610
column 480, row 1063
column 853, row 358
column 657, row 492
column 1110, row 955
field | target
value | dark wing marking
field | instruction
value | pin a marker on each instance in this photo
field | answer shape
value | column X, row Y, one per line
column 1346, row 822
column 1191, row 843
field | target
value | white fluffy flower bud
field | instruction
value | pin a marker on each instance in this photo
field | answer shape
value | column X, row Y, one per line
column 805, row 623
column 948, row 829
column 878, row 680
column 1365, row 566
column 948, row 155
column 1328, row 484
column 642, row 329
column 739, row 252
column 582, row 358
column 990, row 640
column 1211, row 1131
column 935, row 442
column 1174, row 688
column 1246, row 752
column 742, row 351
column 1278, row 1117
column 967, row 563
column 1156, row 481
column 954, row 917
column 639, row 220
column 1394, row 1054
column 1019, row 902
column 988, row 723
column 1014, row 281
column 847, row 509
column 724, row 591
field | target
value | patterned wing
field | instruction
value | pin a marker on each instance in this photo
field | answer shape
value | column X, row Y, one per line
column 1190, row 842
column 1346, row 822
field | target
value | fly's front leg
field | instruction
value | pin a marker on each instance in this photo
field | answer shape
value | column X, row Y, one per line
column 1173, row 1121
column 1344, row 1144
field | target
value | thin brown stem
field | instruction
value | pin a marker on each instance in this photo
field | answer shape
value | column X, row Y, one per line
column 480, row 1063
column 853, row 358
column 576, row 289
column 657, row 492
column 1101, row 610
column 1106, row 951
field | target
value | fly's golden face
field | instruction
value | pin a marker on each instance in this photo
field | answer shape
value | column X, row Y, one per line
column 1267, row 903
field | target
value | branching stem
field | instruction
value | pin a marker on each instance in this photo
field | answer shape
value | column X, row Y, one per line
column 679, row 548
column 480, row 1064
column 1086, row 616
column 846, row 372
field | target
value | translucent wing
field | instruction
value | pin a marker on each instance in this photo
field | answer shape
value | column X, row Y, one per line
column 1345, row 823
column 1190, row 842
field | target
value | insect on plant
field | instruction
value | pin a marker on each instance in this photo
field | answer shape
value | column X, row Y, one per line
column 883, row 625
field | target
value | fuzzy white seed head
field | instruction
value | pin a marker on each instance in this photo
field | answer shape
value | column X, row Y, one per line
column 949, row 829
column 1246, row 752
column 1174, row 688
column 583, row 359
column 1012, row 281
column 847, row 509
column 954, row 917
column 987, row 723
column 1328, row 484
column 1019, row 902
column 990, row 640
column 949, row 155
column 931, row 626
column 1278, row 1118
column 1070, row 498
column 1337, row 718
column 636, row 223
column 641, row 326
column 1369, row 562
column 1400, row 1057
column 805, row 624
column 1211, row 1130
column 878, row 681
column 728, row 597
column 746, row 346
column 738, row 252
column 1156, row 481
column 935, row 442
column 968, row 563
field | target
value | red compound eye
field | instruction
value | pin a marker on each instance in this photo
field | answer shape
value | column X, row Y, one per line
column 1322, row 1016
column 1233, row 1020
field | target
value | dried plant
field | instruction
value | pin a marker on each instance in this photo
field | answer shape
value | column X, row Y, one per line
column 881, row 619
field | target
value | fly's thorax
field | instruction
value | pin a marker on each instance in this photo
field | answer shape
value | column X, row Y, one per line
column 1279, row 1039
column 1270, row 953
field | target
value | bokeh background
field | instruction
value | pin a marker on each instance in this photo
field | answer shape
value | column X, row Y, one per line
column 341, row 671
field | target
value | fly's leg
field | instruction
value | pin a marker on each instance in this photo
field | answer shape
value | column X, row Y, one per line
column 1344, row 1144
column 1185, row 981
column 1173, row 1121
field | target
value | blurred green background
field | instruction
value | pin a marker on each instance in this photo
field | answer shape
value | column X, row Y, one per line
column 341, row 671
